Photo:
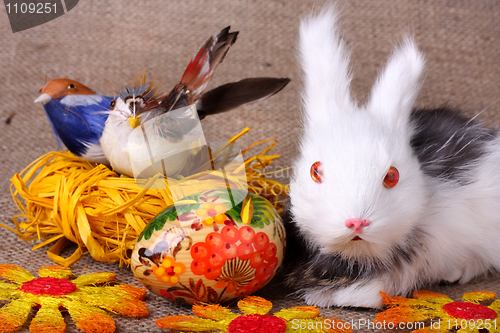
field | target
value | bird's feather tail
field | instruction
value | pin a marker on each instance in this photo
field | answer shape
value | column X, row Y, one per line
column 201, row 68
column 234, row 94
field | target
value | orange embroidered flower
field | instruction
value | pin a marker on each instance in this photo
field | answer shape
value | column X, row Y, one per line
column 169, row 271
column 477, row 311
column 254, row 319
column 53, row 291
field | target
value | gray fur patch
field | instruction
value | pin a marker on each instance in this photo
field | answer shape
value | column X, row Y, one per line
column 447, row 144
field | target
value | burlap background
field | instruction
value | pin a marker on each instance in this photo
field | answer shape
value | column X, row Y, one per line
column 104, row 44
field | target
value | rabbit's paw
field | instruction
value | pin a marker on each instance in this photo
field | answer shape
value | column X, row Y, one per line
column 359, row 294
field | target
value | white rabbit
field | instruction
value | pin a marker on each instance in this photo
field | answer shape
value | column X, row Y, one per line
column 400, row 198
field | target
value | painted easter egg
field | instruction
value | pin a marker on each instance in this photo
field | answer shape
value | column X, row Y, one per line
column 214, row 246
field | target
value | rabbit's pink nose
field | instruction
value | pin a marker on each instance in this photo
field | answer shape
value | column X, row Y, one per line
column 357, row 224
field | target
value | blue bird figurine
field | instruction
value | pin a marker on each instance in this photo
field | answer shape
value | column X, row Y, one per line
column 77, row 116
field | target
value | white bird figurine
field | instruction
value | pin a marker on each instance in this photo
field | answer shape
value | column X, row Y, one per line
column 135, row 106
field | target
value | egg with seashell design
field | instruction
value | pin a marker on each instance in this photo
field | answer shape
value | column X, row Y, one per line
column 214, row 246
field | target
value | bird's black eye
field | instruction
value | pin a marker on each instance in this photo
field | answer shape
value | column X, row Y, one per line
column 71, row 86
column 113, row 104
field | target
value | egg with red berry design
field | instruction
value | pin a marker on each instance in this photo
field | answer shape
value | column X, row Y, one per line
column 214, row 246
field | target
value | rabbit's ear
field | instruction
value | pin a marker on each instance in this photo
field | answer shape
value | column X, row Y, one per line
column 325, row 61
column 398, row 85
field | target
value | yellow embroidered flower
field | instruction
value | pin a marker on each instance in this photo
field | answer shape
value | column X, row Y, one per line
column 52, row 292
column 478, row 311
column 254, row 319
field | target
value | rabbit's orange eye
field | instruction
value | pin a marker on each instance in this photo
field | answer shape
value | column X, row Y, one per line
column 317, row 172
column 392, row 177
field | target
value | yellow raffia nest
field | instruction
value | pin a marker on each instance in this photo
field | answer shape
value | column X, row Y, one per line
column 63, row 199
